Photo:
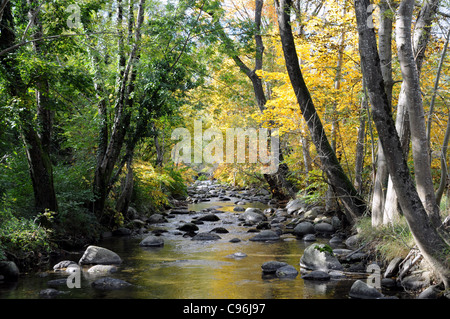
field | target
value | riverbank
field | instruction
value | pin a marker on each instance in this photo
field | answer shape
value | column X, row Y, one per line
column 218, row 228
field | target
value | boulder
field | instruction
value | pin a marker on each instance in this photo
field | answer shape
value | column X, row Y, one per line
column 352, row 242
column 50, row 293
column 303, row 229
column 219, row 230
column 156, row 219
column 324, row 228
column 317, row 257
column 317, row 275
column 63, row 265
column 108, row 283
column 336, row 240
column 188, row 227
column 360, row 290
column 239, row 209
column 9, row 270
column 295, row 205
column 206, row 236
column 100, row 256
column 253, row 216
column 287, row 271
column 272, row 266
column 309, row 237
column 132, row 213
column 102, row 269
column 336, row 222
column 314, row 212
column 209, row 218
column 152, row 241
column 266, row 235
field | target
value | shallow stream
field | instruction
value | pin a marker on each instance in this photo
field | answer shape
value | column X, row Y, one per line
column 184, row 268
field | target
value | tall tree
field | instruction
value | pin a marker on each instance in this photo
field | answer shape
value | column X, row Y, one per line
column 36, row 137
column 110, row 150
column 433, row 247
column 354, row 204
column 419, row 40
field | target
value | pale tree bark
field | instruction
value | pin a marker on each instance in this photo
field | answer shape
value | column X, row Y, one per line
column 436, row 87
column 360, row 147
column 343, row 187
column 419, row 141
column 385, row 48
column 444, row 169
column 433, row 247
column 420, row 41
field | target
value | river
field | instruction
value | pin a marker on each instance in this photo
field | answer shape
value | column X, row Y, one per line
column 186, row 269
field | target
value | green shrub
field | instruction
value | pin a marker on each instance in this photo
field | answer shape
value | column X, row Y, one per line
column 21, row 237
column 154, row 187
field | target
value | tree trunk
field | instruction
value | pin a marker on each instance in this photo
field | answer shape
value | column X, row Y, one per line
column 436, row 86
column 360, row 143
column 420, row 146
column 385, row 48
column 343, row 187
column 39, row 163
column 420, row 40
column 106, row 163
column 444, row 169
column 124, row 200
column 433, row 247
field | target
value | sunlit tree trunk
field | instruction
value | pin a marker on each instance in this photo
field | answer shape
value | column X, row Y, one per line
column 343, row 187
column 380, row 184
column 419, row 141
column 433, row 247
column 420, row 41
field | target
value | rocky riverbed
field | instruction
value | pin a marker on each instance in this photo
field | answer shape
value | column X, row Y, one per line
column 224, row 230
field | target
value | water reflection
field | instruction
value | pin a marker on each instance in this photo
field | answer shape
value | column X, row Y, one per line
column 183, row 268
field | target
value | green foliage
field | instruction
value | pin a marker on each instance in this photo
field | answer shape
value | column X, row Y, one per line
column 154, row 187
column 20, row 236
column 74, row 191
column 16, row 191
column 316, row 187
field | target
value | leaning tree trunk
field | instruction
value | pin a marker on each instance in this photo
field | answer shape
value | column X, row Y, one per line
column 343, row 187
column 433, row 247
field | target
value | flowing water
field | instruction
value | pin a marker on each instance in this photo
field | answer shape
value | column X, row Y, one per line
column 184, row 268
